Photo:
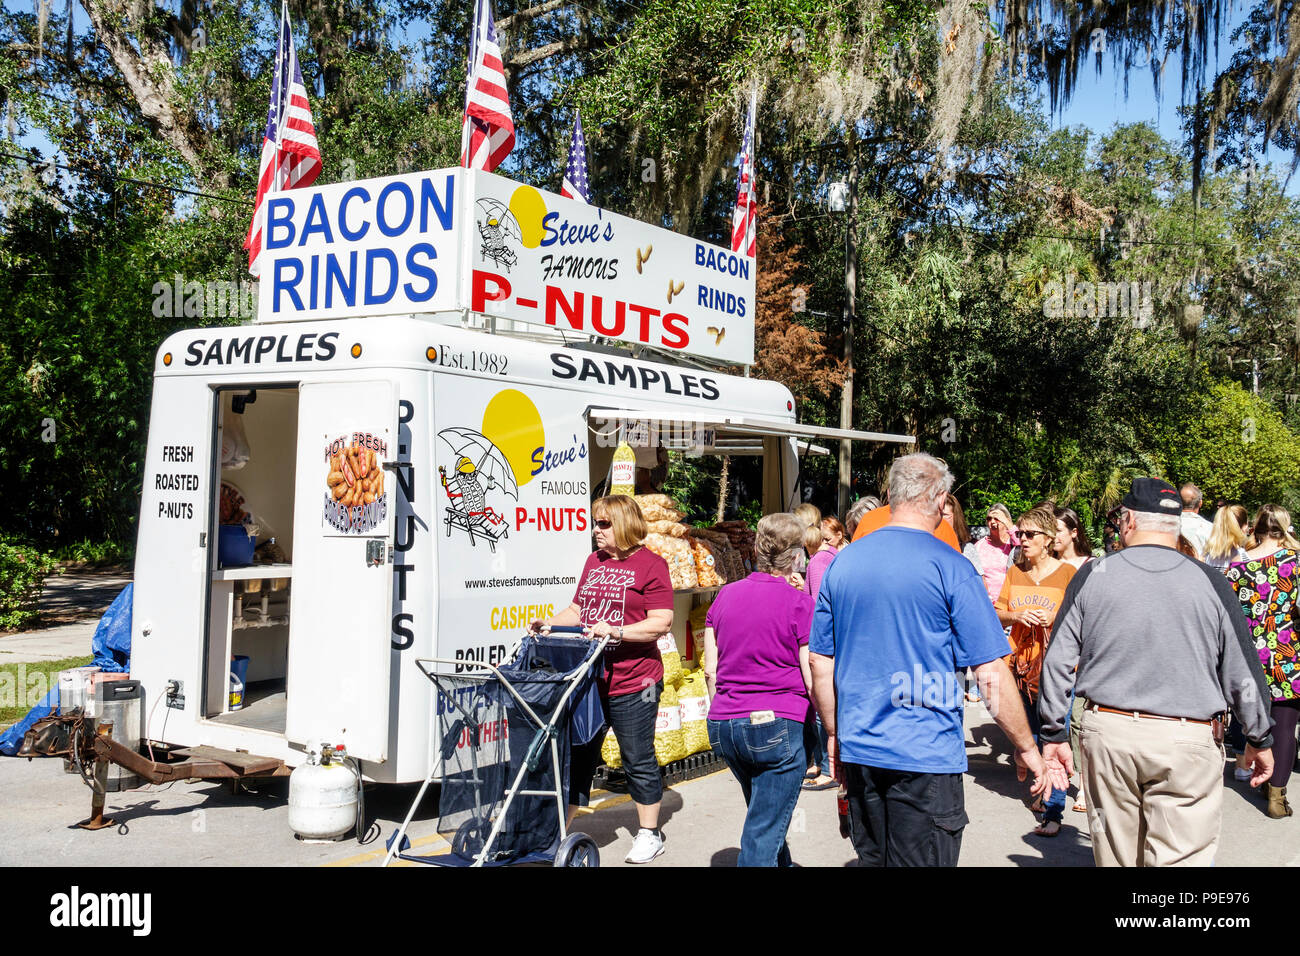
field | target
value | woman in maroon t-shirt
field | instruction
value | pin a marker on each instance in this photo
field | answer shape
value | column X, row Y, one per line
column 624, row 592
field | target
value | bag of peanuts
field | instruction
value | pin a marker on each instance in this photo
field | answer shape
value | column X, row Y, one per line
column 693, row 696
column 708, row 569
column 677, row 553
column 609, row 752
column 672, row 529
column 696, row 622
column 659, row 508
column 672, row 659
column 670, row 745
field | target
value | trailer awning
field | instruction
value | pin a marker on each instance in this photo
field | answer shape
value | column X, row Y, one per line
column 730, row 427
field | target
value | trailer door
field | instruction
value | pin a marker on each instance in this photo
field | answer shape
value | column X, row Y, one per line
column 339, row 642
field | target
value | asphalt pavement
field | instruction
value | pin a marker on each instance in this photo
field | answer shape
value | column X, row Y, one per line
column 206, row 824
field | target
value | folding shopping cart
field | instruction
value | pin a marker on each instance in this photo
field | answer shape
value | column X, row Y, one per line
column 504, row 736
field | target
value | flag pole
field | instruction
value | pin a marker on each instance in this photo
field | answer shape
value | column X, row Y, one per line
column 469, row 79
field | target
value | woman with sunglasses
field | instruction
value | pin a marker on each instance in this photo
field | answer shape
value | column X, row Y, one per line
column 625, row 593
column 1028, row 601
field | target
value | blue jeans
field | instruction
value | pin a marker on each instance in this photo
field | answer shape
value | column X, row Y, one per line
column 1054, row 805
column 768, row 760
column 815, row 744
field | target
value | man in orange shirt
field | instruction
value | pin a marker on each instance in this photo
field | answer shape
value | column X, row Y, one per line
column 879, row 517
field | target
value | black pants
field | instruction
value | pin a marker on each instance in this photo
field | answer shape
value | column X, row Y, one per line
column 898, row 818
column 632, row 716
column 1285, row 714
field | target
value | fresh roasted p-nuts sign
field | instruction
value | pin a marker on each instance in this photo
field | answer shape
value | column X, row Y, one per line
column 450, row 240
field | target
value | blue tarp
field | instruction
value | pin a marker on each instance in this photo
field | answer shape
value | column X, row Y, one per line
column 112, row 642
column 111, row 646
column 12, row 738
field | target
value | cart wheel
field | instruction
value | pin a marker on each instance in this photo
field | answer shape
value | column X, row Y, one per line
column 578, row 849
column 469, row 839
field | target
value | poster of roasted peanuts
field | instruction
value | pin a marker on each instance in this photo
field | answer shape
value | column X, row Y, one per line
column 356, row 494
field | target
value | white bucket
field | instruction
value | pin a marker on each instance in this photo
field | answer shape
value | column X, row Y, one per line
column 74, row 687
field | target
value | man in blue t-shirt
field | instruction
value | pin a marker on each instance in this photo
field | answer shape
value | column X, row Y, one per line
column 899, row 617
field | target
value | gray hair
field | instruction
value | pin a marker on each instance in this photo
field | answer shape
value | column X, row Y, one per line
column 856, row 511
column 1157, row 523
column 778, row 544
column 919, row 480
column 1191, row 496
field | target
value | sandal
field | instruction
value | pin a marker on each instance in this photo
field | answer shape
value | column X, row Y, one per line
column 1080, row 806
column 815, row 783
column 1037, row 806
column 1048, row 828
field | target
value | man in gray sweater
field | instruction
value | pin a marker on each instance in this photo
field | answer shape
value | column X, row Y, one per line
column 1162, row 651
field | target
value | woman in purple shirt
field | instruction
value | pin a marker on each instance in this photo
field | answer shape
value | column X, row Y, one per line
column 756, row 664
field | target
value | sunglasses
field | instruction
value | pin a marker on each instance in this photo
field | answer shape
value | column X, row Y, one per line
column 1029, row 534
column 604, row 524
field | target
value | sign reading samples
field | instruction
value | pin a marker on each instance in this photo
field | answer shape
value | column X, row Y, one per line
column 453, row 239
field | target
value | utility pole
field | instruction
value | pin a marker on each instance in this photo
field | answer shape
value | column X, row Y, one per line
column 850, row 308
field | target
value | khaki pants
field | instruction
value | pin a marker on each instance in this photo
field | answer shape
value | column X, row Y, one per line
column 1154, row 790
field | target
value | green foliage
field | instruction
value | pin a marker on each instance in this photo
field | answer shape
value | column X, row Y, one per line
column 23, row 570
column 1235, row 446
column 97, row 552
column 1012, row 495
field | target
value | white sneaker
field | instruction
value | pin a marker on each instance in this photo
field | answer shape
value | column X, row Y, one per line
column 646, row 847
column 1242, row 774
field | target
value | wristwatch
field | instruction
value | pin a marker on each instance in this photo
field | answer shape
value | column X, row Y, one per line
column 620, row 634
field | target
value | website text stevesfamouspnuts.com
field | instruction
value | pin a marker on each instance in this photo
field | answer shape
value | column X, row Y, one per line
column 1183, row 920
column 476, row 583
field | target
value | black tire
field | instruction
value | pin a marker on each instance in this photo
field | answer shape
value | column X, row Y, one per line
column 469, row 839
column 578, row 849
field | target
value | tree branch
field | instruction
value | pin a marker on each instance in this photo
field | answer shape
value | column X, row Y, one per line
column 528, row 57
column 149, row 76
column 506, row 24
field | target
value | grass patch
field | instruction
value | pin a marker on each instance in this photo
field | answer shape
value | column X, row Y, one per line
column 22, row 686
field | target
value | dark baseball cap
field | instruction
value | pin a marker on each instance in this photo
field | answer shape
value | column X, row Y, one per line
column 1153, row 495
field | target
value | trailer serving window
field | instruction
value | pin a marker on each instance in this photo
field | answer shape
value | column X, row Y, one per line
column 697, row 433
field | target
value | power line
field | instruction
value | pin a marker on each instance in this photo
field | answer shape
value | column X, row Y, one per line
column 148, row 184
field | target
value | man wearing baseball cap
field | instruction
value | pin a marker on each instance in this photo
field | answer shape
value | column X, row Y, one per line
column 1162, row 651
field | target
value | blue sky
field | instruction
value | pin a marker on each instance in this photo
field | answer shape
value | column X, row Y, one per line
column 1099, row 102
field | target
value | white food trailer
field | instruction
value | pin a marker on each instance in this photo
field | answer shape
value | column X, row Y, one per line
column 427, row 483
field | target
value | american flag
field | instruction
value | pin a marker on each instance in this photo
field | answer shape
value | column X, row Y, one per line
column 744, row 220
column 576, row 185
column 290, row 153
column 488, row 133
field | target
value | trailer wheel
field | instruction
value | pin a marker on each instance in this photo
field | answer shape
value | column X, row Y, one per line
column 578, row 849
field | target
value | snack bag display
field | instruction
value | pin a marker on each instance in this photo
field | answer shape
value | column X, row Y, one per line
column 708, row 569
column 609, row 752
column 659, row 508
column 694, row 698
column 696, row 623
column 670, row 745
column 672, row 660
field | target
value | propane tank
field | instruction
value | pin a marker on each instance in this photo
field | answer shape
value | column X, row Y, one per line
column 323, row 795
